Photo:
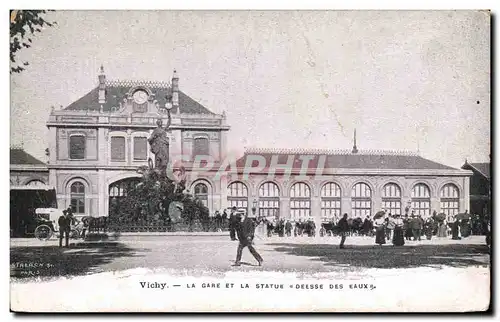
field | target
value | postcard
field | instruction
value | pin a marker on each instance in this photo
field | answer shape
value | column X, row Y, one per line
column 250, row 161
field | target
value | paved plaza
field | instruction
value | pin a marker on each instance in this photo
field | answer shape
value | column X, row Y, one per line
column 443, row 274
column 196, row 254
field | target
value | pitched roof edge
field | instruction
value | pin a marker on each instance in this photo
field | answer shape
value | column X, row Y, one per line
column 33, row 161
column 475, row 168
column 329, row 152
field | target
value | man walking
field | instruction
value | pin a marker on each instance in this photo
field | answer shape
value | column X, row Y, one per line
column 246, row 231
column 64, row 223
column 343, row 229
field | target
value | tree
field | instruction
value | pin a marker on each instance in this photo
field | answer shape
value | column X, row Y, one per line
column 23, row 25
column 148, row 203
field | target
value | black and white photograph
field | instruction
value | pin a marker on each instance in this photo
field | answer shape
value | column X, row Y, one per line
column 250, row 160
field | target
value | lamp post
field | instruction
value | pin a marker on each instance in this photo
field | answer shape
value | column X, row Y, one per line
column 168, row 105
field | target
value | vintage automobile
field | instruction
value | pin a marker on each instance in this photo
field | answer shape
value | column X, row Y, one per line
column 24, row 200
column 34, row 213
column 48, row 224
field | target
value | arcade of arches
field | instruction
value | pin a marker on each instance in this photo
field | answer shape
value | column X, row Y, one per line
column 361, row 201
column 323, row 200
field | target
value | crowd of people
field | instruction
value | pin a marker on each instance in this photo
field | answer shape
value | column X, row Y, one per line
column 384, row 226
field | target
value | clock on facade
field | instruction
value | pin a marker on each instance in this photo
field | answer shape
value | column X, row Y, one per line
column 140, row 96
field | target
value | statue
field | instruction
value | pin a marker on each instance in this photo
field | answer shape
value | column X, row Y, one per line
column 159, row 143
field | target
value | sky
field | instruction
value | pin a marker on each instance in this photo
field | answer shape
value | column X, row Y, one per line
column 405, row 80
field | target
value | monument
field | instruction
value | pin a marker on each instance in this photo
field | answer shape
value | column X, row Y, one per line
column 160, row 145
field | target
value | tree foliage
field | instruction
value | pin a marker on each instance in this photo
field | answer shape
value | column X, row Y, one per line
column 24, row 24
column 148, row 203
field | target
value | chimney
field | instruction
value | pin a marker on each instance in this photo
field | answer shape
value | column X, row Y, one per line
column 175, row 90
column 102, row 86
column 354, row 148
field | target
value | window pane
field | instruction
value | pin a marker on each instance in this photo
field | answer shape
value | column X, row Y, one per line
column 450, row 201
column 201, row 192
column 237, row 195
column 140, row 148
column 300, row 201
column 391, row 200
column 77, row 200
column 200, row 147
column 330, row 202
column 77, row 187
column 77, row 147
column 361, row 200
column 330, row 189
column 269, row 189
column 117, row 148
column 420, row 191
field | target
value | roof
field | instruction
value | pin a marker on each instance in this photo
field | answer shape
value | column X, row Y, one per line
column 19, row 156
column 483, row 168
column 344, row 159
column 117, row 90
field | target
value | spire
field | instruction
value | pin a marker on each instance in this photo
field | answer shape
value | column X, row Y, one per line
column 175, row 90
column 354, row 148
column 102, row 86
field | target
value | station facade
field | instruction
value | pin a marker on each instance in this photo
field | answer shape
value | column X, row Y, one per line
column 98, row 142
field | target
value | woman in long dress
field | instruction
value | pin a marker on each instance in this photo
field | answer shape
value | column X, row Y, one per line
column 398, row 234
column 455, row 229
column 442, row 229
column 379, row 224
column 428, row 229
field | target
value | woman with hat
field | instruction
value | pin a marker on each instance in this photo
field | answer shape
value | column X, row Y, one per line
column 428, row 226
column 379, row 224
column 398, row 234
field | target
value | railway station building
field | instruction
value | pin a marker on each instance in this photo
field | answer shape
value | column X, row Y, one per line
column 97, row 143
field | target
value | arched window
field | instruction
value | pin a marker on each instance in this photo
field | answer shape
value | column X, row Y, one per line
column 391, row 199
column 78, row 198
column 237, row 195
column 421, row 200
column 35, row 183
column 269, row 200
column 330, row 202
column 300, row 201
column 201, row 192
column 450, row 199
column 361, row 200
